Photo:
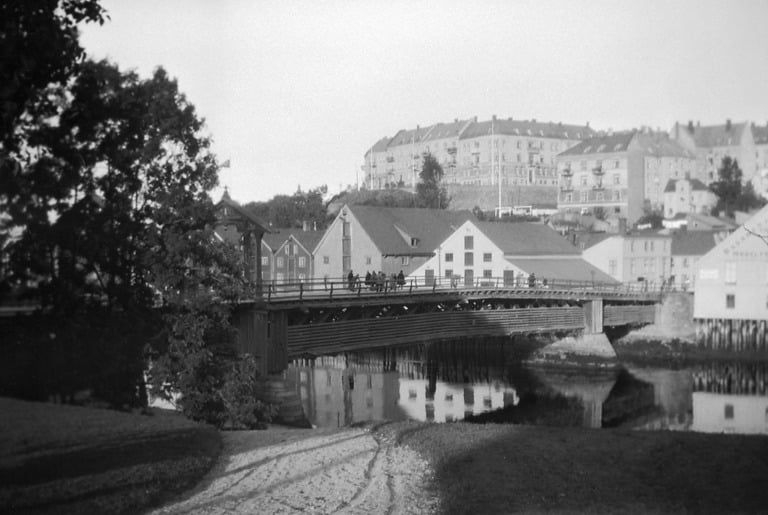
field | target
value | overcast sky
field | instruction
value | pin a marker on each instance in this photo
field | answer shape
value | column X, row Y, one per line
column 295, row 92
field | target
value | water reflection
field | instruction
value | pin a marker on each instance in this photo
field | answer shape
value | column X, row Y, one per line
column 484, row 381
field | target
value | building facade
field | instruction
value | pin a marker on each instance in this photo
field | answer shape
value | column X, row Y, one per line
column 500, row 152
column 682, row 196
column 632, row 258
column 711, row 143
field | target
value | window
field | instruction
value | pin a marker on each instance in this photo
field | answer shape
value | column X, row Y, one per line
column 405, row 260
column 616, row 179
column 367, row 260
column 616, row 195
column 730, row 272
column 469, row 259
column 469, row 242
column 487, row 274
column 584, row 197
column 569, row 197
column 730, row 301
column 265, row 260
column 280, row 262
column 302, row 261
column 583, row 179
column 487, row 257
column 599, row 195
column 326, row 260
column 612, row 267
column 449, row 257
column 728, row 411
column 448, row 273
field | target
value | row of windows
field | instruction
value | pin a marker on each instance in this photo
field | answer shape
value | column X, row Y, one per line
column 280, row 262
column 487, row 274
column 599, row 196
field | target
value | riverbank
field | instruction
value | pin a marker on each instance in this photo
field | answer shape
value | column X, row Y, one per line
column 67, row 459
column 96, row 461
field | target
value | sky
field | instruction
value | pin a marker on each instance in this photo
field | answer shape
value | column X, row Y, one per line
column 295, row 92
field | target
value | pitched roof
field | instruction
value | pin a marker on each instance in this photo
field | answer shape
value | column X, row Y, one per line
column 563, row 269
column 604, row 144
column 661, row 145
column 391, row 228
column 226, row 201
column 379, row 146
column 708, row 220
column 585, row 240
column 527, row 239
column 445, row 130
column 693, row 243
column 716, row 135
column 531, row 128
column 409, row 136
column 696, row 185
column 307, row 239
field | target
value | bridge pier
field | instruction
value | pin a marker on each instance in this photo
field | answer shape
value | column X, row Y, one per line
column 591, row 348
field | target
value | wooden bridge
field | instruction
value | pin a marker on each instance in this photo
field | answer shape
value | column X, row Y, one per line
column 290, row 321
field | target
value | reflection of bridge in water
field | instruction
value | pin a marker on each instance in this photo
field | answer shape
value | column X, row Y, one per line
column 299, row 323
column 451, row 381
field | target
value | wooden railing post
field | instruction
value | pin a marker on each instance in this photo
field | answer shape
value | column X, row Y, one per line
column 301, row 291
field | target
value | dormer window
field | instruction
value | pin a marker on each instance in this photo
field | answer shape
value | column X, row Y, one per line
column 414, row 242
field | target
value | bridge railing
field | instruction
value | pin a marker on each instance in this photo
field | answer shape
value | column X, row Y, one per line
column 424, row 284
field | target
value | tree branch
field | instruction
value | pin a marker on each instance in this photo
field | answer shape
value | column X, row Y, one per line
column 763, row 237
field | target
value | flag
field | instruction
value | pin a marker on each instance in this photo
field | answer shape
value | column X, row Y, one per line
column 225, row 164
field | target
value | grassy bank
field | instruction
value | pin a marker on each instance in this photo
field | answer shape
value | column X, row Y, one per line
column 67, row 459
column 504, row 469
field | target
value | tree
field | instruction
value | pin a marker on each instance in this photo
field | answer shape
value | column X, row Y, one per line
column 288, row 211
column 654, row 218
column 728, row 186
column 39, row 48
column 429, row 193
column 110, row 201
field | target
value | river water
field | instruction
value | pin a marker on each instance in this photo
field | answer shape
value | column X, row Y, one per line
column 486, row 381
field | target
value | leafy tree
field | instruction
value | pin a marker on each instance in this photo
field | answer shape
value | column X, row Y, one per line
column 479, row 213
column 429, row 193
column 655, row 218
column 728, row 186
column 39, row 48
column 110, row 203
column 288, row 211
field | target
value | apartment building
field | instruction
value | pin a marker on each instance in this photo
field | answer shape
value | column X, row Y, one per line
column 687, row 248
column 711, row 143
column 620, row 174
column 760, row 179
column 513, row 152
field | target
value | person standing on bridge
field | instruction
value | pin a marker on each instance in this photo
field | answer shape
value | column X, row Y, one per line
column 400, row 279
column 532, row 280
column 351, row 280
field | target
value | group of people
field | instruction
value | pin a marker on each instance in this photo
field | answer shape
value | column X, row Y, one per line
column 377, row 281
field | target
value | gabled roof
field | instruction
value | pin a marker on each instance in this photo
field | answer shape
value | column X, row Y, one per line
column 661, row 145
column 696, row 185
column 527, row 128
column 707, row 136
column 605, row 144
column 585, row 240
column 240, row 212
column 693, row 243
column 563, row 269
column 391, row 228
column 710, row 221
column 527, row 239
column 307, row 239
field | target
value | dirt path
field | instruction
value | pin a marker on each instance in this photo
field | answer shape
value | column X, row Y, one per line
column 316, row 471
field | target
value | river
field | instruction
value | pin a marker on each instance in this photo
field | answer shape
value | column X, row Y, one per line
column 487, row 381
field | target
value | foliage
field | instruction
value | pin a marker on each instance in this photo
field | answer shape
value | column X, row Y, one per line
column 288, row 211
column 429, row 193
column 655, row 218
column 39, row 48
column 731, row 194
column 479, row 213
column 110, row 202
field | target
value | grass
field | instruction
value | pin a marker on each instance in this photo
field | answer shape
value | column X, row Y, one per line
column 507, row 468
column 68, row 459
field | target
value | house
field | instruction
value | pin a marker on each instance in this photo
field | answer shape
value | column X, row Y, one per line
column 239, row 227
column 687, row 196
column 384, row 239
column 294, row 258
column 732, row 280
column 497, row 253
column 634, row 257
column 703, row 222
column 687, row 248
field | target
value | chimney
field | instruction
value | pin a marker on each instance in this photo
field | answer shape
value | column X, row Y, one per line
column 587, row 124
column 690, row 126
column 728, row 124
column 305, row 226
column 475, row 118
column 494, row 118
